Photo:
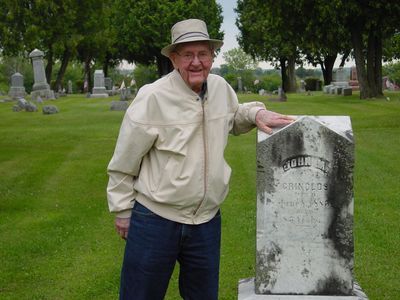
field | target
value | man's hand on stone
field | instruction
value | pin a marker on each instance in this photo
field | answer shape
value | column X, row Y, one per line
column 266, row 120
column 122, row 226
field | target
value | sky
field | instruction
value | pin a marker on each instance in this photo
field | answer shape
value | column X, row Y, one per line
column 229, row 28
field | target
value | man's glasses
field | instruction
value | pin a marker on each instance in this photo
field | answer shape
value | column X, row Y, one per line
column 203, row 56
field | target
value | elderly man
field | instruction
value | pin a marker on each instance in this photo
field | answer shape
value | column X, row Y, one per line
column 168, row 176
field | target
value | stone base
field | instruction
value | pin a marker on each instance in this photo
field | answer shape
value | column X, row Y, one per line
column 17, row 92
column 99, row 96
column 41, row 86
column 44, row 94
column 340, row 83
column 247, row 292
column 99, row 90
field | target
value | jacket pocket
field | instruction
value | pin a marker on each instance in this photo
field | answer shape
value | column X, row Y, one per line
column 159, row 173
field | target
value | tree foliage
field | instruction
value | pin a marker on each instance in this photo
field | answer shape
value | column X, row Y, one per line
column 61, row 29
column 239, row 60
column 274, row 31
column 269, row 32
column 369, row 23
column 144, row 26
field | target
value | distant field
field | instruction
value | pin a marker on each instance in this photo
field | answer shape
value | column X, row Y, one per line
column 57, row 238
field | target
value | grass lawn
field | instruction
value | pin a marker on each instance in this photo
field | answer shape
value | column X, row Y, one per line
column 57, row 238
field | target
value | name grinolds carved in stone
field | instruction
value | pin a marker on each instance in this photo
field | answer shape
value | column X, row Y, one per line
column 306, row 161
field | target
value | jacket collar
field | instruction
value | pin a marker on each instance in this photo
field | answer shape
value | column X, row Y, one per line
column 181, row 84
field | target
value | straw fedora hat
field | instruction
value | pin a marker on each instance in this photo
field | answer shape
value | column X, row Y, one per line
column 191, row 30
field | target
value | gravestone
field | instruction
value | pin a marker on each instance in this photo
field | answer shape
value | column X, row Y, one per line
column 339, row 80
column 99, row 89
column 240, row 84
column 22, row 104
column 108, row 83
column 302, row 86
column 40, row 87
column 69, row 87
column 281, row 96
column 17, row 89
column 347, row 91
column 50, row 110
column 304, row 241
column 119, row 105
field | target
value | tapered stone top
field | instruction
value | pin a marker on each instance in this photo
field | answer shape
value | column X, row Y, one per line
column 36, row 53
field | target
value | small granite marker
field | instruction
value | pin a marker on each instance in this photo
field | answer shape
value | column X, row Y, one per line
column 17, row 89
column 305, row 213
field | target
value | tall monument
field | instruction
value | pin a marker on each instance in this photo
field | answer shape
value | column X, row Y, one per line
column 40, row 87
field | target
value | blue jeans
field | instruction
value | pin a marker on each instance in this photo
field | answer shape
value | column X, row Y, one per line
column 154, row 245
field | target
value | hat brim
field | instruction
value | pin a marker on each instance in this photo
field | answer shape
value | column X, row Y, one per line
column 166, row 51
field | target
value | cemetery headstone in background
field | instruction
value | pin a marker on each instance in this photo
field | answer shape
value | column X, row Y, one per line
column 69, row 87
column 17, row 89
column 305, row 213
column 119, row 105
column 40, row 87
column 99, row 89
column 240, row 84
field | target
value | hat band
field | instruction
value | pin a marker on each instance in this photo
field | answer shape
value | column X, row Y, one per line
column 190, row 35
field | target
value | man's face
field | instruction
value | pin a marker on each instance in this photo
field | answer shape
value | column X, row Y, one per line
column 193, row 60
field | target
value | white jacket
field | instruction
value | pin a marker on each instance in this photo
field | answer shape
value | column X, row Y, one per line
column 170, row 150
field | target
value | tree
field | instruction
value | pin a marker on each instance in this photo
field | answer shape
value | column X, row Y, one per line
column 270, row 31
column 391, row 49
column 239, row 60
column 143, row 27
column 98, row 40
column 369, row 23
column 58, row 28
column 393, row 71
column 323, row 36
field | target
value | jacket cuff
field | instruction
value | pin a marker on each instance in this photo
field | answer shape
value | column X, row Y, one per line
column 253, row 112
column 124, row 214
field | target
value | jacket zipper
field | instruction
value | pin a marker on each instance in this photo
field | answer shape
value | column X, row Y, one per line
column 205, row 158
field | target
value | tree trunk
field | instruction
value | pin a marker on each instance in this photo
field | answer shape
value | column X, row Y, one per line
column 344, row 57
column 49, row 66
column 291, row 68
column 285, row 83
column 164, row 65
column 327, row 67
column 87, row 85
column 374, row 62
column 357, row 42
column 378, row 67
column 106, row 64
column 63, row 68
column 369, row 69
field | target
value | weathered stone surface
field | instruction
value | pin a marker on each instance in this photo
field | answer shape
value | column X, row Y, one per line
column 17, row 89
column 30, row 107
column 305, row 208
column 119, row 105
column 50, row 109
column 246, row 292
column 22, row 103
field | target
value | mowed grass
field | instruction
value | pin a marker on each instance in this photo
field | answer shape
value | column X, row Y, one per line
column 57, row 238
